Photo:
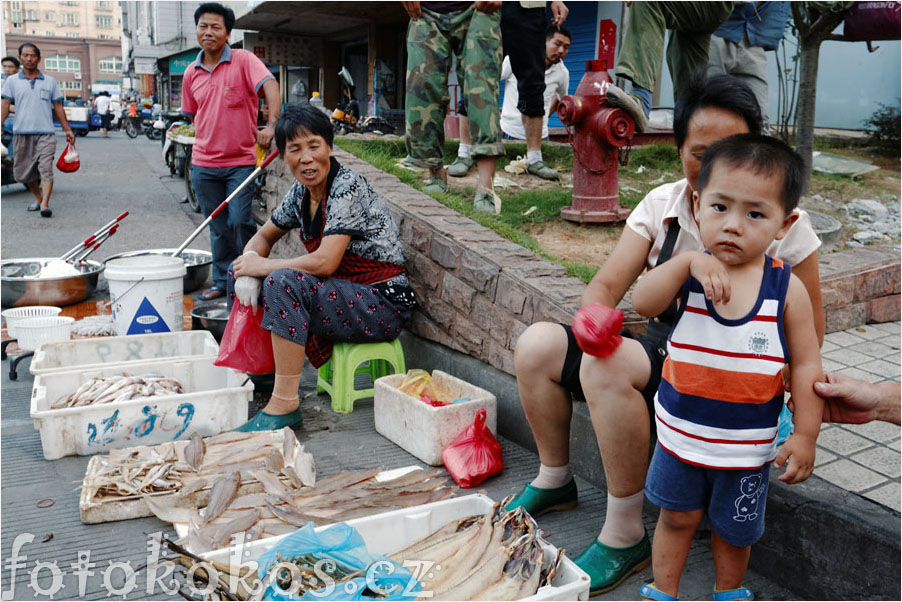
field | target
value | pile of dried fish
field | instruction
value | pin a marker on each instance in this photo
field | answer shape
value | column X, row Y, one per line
column 95, row 326
column 496, row 556
column 111, row 389
column 186, row 470
column 283, row 506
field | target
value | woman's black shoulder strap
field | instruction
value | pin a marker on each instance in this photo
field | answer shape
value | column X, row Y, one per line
column 673, row 231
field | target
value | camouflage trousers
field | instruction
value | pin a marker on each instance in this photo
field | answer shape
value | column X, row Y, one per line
column 475, row 38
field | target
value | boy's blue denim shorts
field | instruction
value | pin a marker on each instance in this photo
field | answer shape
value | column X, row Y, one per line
column 734, row 500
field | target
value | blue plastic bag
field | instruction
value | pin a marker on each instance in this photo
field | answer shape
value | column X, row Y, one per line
column 784, row 428
column 344, row 545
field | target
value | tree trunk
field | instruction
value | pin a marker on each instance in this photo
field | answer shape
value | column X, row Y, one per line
column 810, row 51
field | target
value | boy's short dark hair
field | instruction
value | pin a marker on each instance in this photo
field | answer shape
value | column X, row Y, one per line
column 22, row 47
column 12, row 60
column 720, row 91
column 763, row 155
column 301, row 118
column 215, row 8
column 553, row 29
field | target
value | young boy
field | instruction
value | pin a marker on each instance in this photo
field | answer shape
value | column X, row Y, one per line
column 742, row 317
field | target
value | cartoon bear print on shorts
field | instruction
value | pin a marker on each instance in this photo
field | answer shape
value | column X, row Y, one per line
column 747, row 503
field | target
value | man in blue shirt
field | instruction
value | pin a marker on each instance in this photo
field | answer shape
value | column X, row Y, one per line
column 37, row 98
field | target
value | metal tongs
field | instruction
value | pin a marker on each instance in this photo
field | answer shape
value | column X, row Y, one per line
column 79, row 252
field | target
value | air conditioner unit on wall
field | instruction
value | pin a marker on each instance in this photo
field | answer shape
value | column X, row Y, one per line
column 76, row 75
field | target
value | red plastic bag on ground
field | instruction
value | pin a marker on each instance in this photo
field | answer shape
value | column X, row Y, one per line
column 596, row 329
column 68, row 161
column 474, row 456
column 246, row 345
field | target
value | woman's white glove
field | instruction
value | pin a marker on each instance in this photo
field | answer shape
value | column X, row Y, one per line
column 247, row 289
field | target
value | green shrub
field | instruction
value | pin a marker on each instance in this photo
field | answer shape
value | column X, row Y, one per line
column 883, row 129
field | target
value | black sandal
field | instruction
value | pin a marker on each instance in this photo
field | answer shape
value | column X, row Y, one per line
column 46, row 212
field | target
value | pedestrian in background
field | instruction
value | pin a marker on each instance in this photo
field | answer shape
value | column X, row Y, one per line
column 691, row 25
column 472, row 32
column 38, row 99
column 738, row 46
column 102, row 106
column 514, row 124
column 10, row 67
column 220, row 94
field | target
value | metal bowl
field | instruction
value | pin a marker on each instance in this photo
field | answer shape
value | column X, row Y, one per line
column 197, row 263
column 23, row 285
column 211, row 316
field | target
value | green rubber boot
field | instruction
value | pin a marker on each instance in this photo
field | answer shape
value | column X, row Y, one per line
column 608, row 567
column 272, row 422
column 539, row 501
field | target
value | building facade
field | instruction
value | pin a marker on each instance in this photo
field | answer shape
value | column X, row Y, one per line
column 79, row 42
column 157, row 30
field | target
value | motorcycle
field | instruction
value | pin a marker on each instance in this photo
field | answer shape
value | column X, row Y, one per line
column 8, row 176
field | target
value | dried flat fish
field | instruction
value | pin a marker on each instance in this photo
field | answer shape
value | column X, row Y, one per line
column 195, row 450
column 221, row 496
column 169, row 514
column 239, row 524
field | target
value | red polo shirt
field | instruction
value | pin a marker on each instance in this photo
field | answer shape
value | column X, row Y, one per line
column 224, row 105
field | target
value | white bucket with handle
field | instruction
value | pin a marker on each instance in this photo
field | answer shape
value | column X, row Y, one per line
column 146, row 293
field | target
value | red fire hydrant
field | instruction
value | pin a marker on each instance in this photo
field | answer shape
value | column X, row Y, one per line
column 597, row 134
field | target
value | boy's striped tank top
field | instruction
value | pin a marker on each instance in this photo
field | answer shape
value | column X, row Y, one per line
column 721, row 389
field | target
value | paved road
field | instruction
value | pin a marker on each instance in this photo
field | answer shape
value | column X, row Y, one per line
column 117, row 174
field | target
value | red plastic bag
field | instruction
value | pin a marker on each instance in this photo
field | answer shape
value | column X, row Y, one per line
column 246, row 345
column 474, row 456
column 68, row 161
column 596, row 329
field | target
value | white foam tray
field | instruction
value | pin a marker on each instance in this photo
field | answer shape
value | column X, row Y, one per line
column 216, row 401
column 391, row 531
column 86, row 354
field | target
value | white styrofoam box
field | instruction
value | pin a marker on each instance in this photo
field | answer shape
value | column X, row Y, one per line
column 215, row 401
column 421, row 429
column 389, row 532
column 97, row 352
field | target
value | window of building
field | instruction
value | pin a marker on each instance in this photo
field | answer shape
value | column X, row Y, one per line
column 15, row 5
column 69, row 3
column 50, row 33
column 102, row 5
column 103, row 21
column 31, row 15
column 104, row 36
column 111, row 64
column 71, row 85
column 62, row 63
column 50, row 16
column 70, row 18
column 71, row 34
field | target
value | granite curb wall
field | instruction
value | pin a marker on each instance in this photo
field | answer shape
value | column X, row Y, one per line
column 478, row 291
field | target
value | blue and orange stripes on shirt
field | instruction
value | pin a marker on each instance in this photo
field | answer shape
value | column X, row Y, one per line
column 722, row 387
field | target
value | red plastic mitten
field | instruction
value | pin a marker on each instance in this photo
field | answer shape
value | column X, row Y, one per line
column 597, row 329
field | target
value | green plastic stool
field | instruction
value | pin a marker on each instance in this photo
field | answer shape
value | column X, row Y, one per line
column 336, row 377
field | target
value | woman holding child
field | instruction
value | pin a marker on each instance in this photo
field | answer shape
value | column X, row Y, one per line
column 620, row 389
column 350, row 286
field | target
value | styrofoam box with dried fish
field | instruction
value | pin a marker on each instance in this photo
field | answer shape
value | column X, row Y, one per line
column 115, row 484
column 421, row 429
column 215, row 400
column 392, row 531
column 94, row 353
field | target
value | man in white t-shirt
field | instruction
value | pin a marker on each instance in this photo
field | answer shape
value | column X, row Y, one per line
column 557, row 82
column 102, row 106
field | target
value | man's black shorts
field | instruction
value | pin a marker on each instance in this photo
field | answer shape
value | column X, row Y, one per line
column 655, row 347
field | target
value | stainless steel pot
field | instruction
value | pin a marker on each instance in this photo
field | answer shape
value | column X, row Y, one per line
column 23, row 285
column 197, row 263
column 211, row 316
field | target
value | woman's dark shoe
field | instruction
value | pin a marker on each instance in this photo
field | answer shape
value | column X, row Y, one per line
column 272, row 422
column 538, row 501
column 46, row 212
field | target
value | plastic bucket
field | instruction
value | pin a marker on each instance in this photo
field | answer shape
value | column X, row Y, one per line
column 146, row 293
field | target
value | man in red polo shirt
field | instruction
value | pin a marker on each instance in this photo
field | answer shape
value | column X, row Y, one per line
column 219, row 92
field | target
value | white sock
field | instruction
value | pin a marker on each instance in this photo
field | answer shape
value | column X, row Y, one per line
column 533, row 156
column 623, row 521
column 463, row 150
column 552, row 477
